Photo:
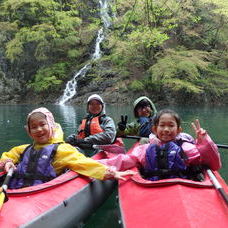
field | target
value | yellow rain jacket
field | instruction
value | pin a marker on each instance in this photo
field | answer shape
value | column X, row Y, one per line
column 67, row 157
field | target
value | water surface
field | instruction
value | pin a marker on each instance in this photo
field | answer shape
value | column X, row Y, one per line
column 13, row 119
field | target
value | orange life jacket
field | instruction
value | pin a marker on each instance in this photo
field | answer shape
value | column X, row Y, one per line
column 92, row 125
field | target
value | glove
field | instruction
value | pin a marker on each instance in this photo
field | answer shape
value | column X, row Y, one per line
column 74, row 141
column 78, row 142
column 123, row 123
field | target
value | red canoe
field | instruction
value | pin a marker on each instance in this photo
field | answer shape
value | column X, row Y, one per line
column 63, row 202
column 172, row 203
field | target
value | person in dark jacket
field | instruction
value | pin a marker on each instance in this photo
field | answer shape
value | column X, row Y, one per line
column 144, row 111
column 96, row 128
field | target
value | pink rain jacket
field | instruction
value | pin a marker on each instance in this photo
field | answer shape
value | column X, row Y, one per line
column 199, row 153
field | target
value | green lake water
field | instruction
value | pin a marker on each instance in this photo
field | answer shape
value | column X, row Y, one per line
column 13, row 117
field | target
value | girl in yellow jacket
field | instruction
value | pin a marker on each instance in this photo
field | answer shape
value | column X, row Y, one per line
column 39, row 162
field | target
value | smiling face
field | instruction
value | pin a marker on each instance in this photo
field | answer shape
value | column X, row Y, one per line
column 167, row 128
column 38, row 128
column 95, row 107
column 144, row 111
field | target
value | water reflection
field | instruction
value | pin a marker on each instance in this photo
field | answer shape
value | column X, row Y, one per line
column 68, row 115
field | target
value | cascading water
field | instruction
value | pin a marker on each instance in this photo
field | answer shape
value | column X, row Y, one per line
column 71, row 86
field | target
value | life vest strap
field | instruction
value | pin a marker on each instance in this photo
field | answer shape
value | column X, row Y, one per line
column 31, row 172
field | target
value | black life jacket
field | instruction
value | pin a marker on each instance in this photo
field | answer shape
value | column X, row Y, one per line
column 35, row 167
column 168, row 161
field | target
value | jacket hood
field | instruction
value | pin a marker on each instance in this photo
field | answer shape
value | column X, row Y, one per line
column 140, row 99
column 56, row 133
column 98, row 98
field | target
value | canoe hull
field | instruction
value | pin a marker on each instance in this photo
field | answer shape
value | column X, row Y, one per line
column 63, row 202
column 76, row 208
column 172, row 203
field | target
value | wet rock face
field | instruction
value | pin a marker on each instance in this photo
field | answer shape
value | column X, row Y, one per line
column 10, row 90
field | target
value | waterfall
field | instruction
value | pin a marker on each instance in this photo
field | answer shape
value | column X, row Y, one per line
column 71, row 87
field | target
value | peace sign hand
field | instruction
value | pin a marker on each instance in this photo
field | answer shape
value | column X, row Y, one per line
column 200, row 132
column 123, row 123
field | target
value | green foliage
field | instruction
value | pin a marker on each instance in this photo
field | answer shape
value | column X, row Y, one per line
column 216, row 82
column 180, row 70
column 181, row 64
column 66, row 22
column 167, row 47
column 174, row 42
column 73, row 53
column 142, row 41
column 221, row 6
column 136, row 86
column 7, row 31
column 29, row 12
column 49, row 78
column 37, row 33
column 182, row 85
column 14, row 49
column 146, row 38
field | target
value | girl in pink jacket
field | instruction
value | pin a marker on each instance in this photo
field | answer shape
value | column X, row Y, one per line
column 167, row 129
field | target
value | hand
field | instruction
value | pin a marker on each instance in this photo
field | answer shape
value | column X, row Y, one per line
column 9, row 165
column 123, row 123
column 74, row 141
column 200, row 132
column 70, row 139
column 78, row 141
column 119, row 175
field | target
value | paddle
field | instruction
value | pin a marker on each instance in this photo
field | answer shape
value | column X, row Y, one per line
column 4, row 187
column 218, row 186
column 131, row 137
column 111, row 148
column 139, row 137
column 222, row 146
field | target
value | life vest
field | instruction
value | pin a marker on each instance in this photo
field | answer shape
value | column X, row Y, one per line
column 166, row 161
column 90, row 126
column 35, row 167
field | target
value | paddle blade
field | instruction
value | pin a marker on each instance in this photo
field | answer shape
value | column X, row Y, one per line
column 2, row 199
column 111, row 148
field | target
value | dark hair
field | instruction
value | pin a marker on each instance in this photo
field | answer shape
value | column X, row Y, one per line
column 141, row 104
column 167, row 111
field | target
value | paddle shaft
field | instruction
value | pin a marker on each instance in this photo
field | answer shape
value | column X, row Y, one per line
column 218, row 186
column 138, row 137
column 222, row 146
column 3, row 188
column 7, row 179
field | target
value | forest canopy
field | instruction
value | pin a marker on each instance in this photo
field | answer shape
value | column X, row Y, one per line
column 165, row 48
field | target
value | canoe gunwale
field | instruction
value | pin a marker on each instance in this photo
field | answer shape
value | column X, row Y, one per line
column 62, row 179
column 165, row 182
